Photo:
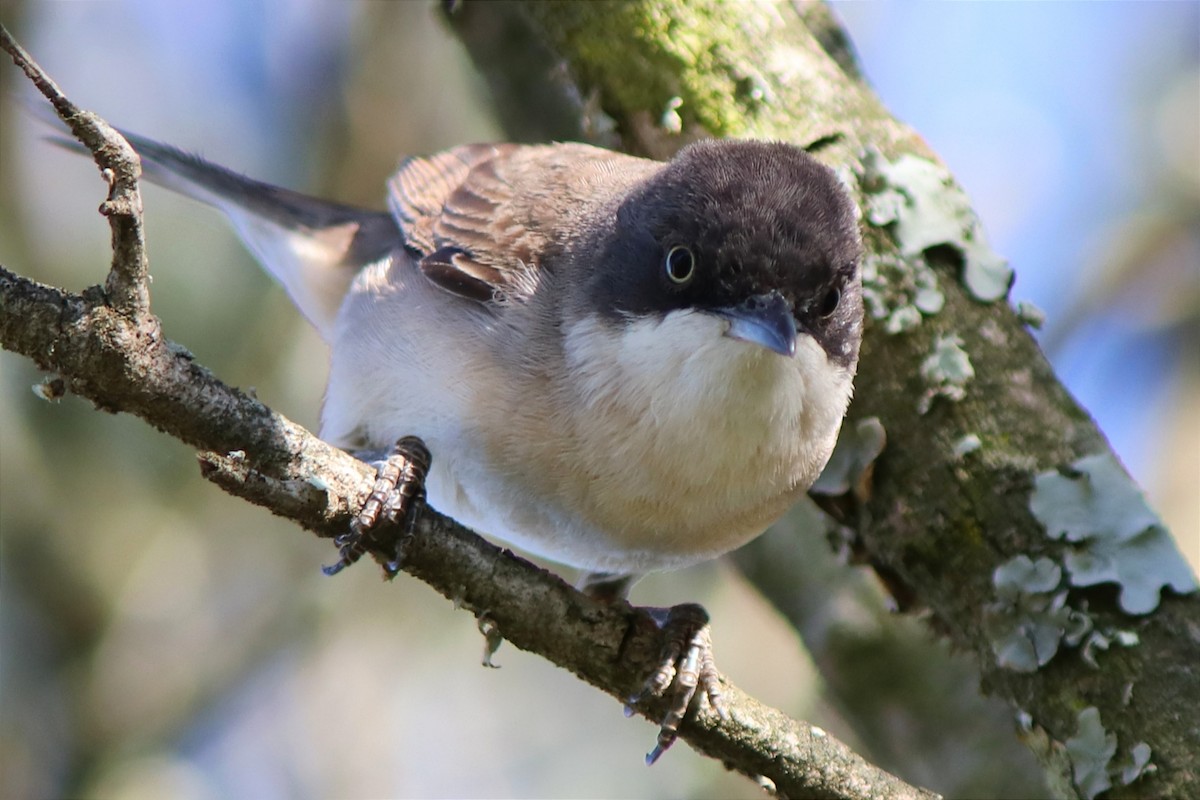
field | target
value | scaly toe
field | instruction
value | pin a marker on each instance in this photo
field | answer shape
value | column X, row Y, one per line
column 686, row 664
column 398, row 489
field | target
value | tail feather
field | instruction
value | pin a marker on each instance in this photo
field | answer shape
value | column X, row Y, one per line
column 313, row 247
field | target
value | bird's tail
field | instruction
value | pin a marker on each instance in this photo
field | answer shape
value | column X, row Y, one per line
column 313, row 247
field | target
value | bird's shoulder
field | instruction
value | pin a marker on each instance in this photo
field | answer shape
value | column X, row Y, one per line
column 484, row 219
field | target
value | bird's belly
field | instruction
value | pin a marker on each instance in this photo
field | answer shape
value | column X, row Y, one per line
column 635, row 518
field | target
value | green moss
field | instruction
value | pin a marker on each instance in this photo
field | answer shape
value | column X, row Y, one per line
column 685, row 50
column 961, row 534
column 971, row 531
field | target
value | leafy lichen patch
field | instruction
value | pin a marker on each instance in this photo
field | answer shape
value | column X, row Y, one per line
column 849, row 467
column 966, row 445
column 898, row 292
column 1031, row 618
column 924, row 208
column 1031, row 315
column 1091, row 751
column 1137, row 765
column 947, row 371
column 1116, row 538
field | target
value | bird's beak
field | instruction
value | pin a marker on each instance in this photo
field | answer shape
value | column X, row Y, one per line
column 764, row 319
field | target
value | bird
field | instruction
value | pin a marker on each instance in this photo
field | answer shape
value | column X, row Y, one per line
column 619, row 364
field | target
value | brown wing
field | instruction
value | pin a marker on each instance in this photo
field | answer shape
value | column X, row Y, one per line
column 480, row 218
column 421, row 186
column 447, row 205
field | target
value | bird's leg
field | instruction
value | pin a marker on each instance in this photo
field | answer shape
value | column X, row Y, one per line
column 685, row 662
column 607, row 587
column 398, row 490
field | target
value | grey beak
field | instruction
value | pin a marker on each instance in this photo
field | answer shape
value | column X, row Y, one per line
column 764, row 319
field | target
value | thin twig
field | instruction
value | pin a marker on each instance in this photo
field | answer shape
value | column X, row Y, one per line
column 127, row 284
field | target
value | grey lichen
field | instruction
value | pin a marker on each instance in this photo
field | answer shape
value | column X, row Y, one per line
column 900, row 291
column 51, row 389
column 967, row 445
column 670, row 121
column 1138, row 764
column 492, row 639
column 1091, row 751
column 924, row 208
column 857, row 448
column 1116, row 538
column 947, row 371
column 1031, row 315
column 1031, row 618
column 1081, row 631
column 1028, row 619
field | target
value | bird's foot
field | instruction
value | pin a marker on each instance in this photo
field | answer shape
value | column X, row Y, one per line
column 686, row 663
column 398, row 490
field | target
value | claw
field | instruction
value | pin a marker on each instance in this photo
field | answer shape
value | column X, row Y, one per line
column 492, row 639
column 398, row 490
column 333, row 569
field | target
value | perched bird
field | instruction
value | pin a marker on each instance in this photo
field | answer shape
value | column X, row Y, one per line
column 619, row 364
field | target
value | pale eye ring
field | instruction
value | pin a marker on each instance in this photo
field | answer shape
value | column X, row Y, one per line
column 679, row 265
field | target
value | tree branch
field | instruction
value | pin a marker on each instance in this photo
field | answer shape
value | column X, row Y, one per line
column 108, row 348
column 127, row 285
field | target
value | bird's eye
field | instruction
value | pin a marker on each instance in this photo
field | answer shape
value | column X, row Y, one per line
column 830, row 302
column 679, row 265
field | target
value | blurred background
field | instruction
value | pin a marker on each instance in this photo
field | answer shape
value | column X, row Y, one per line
column 159, row 638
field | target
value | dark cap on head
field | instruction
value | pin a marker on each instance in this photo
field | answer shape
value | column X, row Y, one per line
column 752, row 219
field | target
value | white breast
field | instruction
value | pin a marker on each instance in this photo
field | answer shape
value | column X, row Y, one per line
column 694, row 442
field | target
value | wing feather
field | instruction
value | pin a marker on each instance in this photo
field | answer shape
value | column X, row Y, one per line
column 481, row 219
